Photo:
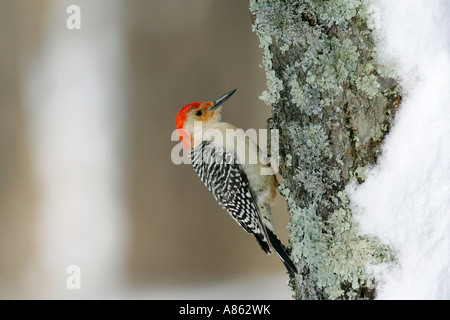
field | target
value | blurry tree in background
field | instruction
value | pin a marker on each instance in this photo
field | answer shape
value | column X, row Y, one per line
column 334, row 103
column 19, row 33
column 176, row 52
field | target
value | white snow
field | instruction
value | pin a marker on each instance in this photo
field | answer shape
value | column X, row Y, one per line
column 405, row 202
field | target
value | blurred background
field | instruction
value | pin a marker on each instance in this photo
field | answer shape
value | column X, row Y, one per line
column 86, row 177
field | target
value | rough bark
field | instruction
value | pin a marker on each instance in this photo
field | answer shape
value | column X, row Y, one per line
column 333, row 103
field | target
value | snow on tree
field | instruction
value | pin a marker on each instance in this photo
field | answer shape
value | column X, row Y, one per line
column 333, row 103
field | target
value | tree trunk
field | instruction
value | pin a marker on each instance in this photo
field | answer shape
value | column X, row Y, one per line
column 333, row 103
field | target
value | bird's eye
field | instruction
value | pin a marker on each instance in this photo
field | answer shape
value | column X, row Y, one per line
column 198, row 113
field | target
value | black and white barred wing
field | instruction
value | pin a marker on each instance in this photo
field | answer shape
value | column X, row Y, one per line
column 227, row 181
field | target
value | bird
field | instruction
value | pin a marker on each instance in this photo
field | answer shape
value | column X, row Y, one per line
column 235, row 182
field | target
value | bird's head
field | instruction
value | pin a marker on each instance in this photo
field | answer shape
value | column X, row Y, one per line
column 206, row 112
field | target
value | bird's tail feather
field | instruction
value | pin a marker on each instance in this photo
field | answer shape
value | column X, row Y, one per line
column 281, row 251
column 262, row 242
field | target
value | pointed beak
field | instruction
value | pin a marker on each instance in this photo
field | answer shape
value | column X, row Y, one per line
column 217, row 103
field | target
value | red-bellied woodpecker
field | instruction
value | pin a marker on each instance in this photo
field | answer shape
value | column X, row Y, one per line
column 232, row 172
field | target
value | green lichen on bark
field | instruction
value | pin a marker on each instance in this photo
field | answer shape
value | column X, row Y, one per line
column 333, row 103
